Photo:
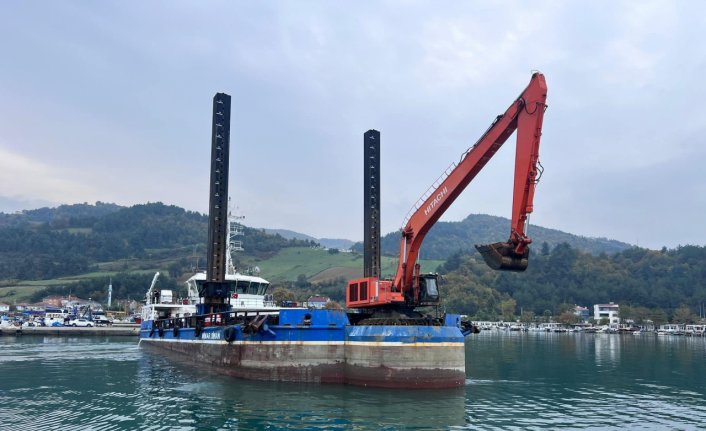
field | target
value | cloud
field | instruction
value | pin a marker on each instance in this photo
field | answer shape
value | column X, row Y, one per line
column 24, row 179
column 470, row 49
column 109, row 102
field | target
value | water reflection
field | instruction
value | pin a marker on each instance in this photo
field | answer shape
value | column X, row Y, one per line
column 515, row 381
column 574, row 381
column 607, row 348
column 214, row 400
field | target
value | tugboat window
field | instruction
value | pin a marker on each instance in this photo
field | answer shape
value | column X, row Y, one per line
column 243, row 286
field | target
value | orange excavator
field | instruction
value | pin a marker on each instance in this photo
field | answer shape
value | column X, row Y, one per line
column 410, row 288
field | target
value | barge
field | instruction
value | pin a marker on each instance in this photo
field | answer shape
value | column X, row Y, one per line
column 383, row 340
column 318, row 346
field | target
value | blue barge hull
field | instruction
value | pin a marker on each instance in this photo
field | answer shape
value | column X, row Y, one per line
column 322, row 346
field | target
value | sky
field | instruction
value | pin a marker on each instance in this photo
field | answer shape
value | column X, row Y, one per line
column 111, row 101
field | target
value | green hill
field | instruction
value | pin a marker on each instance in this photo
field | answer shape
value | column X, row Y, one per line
column 79, row 248
column 77, row 215
column 42, row 244
column 446, row 238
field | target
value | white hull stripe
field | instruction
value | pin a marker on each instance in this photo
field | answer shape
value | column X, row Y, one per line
column 309, row 343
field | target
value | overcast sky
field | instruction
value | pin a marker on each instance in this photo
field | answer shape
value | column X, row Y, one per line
column 111, row 101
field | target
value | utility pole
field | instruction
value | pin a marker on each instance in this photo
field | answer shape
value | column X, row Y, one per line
column 110, row 292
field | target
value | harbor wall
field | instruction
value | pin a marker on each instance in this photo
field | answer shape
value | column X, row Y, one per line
column 70, row 331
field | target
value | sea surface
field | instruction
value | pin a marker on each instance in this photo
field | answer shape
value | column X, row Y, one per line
column 515, row 381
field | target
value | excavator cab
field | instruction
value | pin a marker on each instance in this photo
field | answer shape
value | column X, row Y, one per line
column 428, row 289
column 503, row 257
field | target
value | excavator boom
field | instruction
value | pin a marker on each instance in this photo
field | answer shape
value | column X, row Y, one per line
column 525, row 115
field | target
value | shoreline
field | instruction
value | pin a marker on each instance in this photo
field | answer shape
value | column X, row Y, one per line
column 118, row 329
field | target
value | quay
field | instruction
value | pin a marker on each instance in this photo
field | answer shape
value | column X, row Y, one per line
column 70, row 331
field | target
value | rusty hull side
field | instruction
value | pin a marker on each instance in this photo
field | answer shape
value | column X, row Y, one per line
column 290, row 362
column 405, row 357
column 418, row 357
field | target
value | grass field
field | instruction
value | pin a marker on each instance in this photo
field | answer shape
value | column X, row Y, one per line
column 319, row 265
column 11, row 295
column 78, row 277
column 21, row 291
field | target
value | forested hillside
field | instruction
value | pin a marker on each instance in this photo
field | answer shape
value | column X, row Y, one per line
column 661, row 281
column 43, row 244
column 62, row 215
column 446, row 238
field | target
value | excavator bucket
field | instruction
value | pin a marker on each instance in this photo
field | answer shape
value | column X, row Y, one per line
column 501, row 256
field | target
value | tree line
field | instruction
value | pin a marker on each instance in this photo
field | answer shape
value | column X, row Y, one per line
column 648, row 284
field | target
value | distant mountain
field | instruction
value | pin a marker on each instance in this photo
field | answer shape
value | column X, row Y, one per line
column 446, row 238
column 290, row 234
column 343, row 244
column 63, row 214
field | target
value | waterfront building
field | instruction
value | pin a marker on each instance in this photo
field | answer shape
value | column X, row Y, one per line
column 24, row 307
column 318, row 302
column 78, row 303
column 53, row 301
column 607, row 311
column 582, row 312
column 4, row 308
column 65, row 301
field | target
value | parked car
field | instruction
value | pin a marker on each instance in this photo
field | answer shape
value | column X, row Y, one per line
column 81, row 322
column 101, row 320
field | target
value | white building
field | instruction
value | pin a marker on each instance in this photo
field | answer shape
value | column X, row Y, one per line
column 607, row 311
column 318, row 302
column 582, row 313
column 4, row 308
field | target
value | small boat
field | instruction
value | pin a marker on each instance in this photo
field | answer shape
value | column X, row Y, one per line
column 695, row 330
column 670, row 329
column 56, row 316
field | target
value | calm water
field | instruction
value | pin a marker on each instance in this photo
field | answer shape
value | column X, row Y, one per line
column 515, row 381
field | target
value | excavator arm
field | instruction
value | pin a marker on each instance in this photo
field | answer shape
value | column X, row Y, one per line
column 411, row 289
column 524, row 115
